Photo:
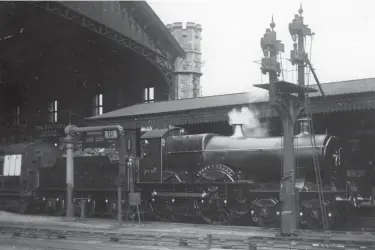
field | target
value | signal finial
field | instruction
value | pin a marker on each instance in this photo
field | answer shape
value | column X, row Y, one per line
column 300, row 11
column 272, row 24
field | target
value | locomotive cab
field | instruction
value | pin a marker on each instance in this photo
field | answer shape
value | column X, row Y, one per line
column 19, row 178
column 153, row 154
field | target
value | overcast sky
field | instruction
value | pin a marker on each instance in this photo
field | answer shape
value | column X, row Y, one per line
column 342, row 49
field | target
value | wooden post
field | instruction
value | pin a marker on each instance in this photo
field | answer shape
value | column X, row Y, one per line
column 209, row 241
column 251, row 246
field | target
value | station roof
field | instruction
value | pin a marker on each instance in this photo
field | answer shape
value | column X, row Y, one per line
column 341, row 88
column 43, row 43
column 107, row 13
column 158, row 25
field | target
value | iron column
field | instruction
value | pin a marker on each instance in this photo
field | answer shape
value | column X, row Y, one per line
column 69, row 175
column 288, row 110
column 122, row 176
column 288, row 114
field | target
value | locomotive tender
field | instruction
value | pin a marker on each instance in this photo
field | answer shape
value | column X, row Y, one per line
column 20, row 165
column 217, row 178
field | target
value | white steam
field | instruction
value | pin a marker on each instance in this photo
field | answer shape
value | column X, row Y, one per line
column 252, row 127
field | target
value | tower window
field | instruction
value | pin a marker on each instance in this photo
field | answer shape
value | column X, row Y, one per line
column 52, row 111
column 98, row 104
column 148, row 94
column 16, row 116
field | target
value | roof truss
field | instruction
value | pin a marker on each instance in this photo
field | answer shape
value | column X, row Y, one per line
column 162, row 63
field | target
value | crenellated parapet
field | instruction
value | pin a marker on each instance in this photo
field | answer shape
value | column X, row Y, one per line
column 189, row 36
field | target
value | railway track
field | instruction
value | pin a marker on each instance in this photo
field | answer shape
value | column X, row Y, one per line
column 175, row 235
column 194, row 240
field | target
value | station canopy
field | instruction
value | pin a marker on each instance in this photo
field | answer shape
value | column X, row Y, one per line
column 341, row 96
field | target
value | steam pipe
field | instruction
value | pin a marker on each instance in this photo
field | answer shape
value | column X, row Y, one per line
column 70, row 131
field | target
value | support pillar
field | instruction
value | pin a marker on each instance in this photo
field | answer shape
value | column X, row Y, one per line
column 69, row 176
column 122, row 182
column 288, row 111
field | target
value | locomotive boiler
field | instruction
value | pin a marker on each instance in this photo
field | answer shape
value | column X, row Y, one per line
column 257, row 160
column 220, row 178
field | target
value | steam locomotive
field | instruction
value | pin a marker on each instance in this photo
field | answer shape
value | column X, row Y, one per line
column 215, row 178
column 222, row 178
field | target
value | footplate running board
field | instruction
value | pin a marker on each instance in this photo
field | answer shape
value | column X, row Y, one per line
column 179, row 195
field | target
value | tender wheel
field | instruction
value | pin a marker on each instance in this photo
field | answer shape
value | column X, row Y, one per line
column 55, row 207
column 89, row 208
column 21, row 207
column 111, row 207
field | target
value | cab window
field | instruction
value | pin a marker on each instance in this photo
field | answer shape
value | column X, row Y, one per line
column 12, row 165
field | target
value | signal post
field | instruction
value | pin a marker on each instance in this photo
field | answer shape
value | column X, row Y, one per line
column 288, row 99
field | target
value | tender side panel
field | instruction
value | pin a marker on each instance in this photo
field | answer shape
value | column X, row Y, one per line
column 9, row 184
column 91, row 173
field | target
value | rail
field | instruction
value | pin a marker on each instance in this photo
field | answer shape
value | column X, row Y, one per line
column 187, row 240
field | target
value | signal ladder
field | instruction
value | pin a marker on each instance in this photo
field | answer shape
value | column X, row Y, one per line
column 313, row 147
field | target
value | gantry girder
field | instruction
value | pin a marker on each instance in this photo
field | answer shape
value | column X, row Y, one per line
column 164, row 64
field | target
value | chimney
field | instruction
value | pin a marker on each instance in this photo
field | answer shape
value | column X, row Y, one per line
column 237, row 131
column 304, row 125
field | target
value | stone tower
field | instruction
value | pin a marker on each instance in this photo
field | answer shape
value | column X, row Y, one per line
column 188, row 70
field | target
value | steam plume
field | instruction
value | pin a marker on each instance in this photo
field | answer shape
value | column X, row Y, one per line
column 252, row 127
